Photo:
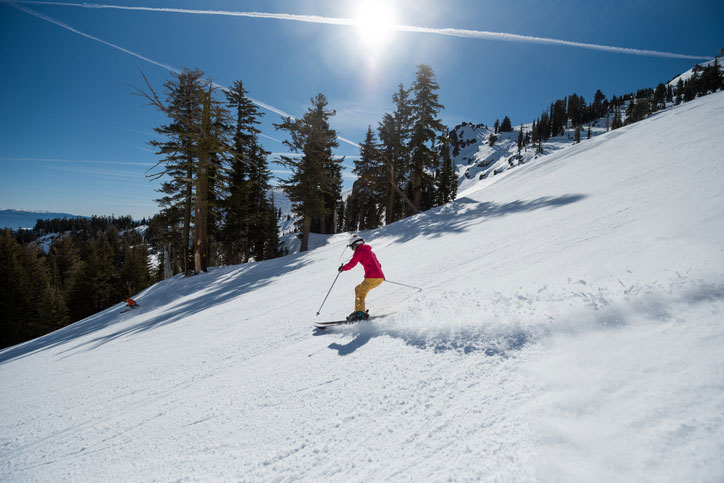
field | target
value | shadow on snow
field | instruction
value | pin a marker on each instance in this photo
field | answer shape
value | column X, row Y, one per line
column 203, row 291
column 227, row 283
column 455, row 217
column 463, row 341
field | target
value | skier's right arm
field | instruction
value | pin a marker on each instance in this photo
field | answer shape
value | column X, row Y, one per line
column 352, row 263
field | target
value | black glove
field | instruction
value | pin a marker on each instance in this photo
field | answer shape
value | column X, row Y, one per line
column 341, row 268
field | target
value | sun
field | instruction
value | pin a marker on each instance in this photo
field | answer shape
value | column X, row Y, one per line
column 374, row 20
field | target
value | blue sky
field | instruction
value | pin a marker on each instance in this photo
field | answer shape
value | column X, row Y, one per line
column 73, row 137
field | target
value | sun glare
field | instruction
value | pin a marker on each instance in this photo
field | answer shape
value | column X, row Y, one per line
column 374, row 20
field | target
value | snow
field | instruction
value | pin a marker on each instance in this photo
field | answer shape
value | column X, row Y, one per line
column 690, row 73
column 478, row 164
column 46, row 241
column 569, row 329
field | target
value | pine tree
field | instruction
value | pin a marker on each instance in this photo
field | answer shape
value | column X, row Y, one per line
column 659, row 101
column 545, row 125
column 351, row 213
column 179, row 150
column 554, row 124
column 690, row 89
column 194, row 156
column 316, row 175
column 14, row 295
column 616, row 122
column 46, row 310
column 679, row 91
column 639, row 109
column 576, row 107
column 447, row 180
column 341, row 217
column 65, row 258
column 506, row 125
column 394, row 134
column 165, row 234
column 134, row 269
column 521, row 139
column 195, row 152
column 212, row 143
column 598, row 107
column 710, row 79
column 370, row 182
column 426, row 129
column 251, row 219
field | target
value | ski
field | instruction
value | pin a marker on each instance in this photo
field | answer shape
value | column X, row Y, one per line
column 130, row 305
column 332, row 323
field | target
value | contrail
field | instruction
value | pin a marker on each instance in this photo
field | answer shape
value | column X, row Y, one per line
column 482, row 34
column 170, row 68
column 454, row 32
column 88, row 36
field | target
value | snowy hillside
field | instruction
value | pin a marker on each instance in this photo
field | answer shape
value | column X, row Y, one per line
column 569, row 329
column 477, row 161
column 690, row 73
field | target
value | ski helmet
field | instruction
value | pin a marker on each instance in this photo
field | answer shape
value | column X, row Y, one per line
column 355, row 242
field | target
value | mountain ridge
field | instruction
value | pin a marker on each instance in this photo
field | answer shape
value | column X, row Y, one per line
column 16, row 219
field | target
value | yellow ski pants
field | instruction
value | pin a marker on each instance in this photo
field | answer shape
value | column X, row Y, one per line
column 361, row 291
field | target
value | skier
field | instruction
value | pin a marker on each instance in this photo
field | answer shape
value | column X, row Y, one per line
column 373, row 276
column 130, row 305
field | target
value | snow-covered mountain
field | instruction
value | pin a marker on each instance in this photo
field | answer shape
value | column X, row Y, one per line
column 478, row 161
column 16, row 219
column 569, row 328
column 719, row 59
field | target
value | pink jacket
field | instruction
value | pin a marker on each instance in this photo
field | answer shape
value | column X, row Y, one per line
column 365, row 256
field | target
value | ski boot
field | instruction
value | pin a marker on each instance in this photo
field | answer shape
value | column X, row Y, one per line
column 355, row 316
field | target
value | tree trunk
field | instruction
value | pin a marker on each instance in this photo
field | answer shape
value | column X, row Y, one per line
column 417, row 188
column 200, row 226
column 201, row 244
column 390, row 210
column 187, row 220
column 335, row 219
column 305, row 233
column 167, row 271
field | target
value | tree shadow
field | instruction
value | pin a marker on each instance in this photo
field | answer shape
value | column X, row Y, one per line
column 201, row 292
column 455, row 217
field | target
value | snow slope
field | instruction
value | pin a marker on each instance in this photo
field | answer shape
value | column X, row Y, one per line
column 478, row 164
column 690, row 73
column 569, row 329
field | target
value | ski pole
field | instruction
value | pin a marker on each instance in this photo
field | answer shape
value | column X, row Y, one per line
column 408, row 286
column 330, row 290
column 342, row 254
